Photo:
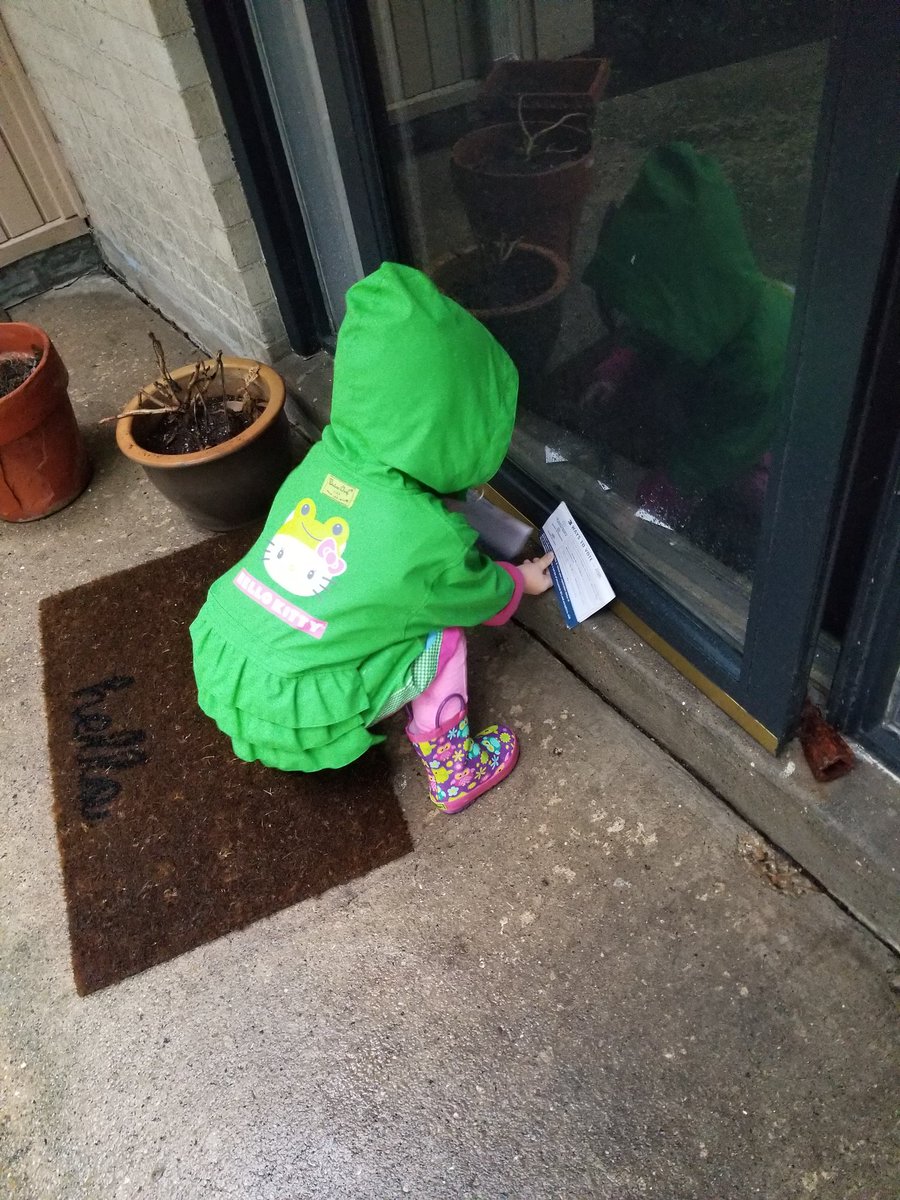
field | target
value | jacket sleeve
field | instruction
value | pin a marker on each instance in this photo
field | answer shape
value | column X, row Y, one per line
column 508, row 610
column 471, row 591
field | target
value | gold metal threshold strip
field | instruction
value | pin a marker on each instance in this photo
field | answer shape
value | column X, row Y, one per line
column 720, row 698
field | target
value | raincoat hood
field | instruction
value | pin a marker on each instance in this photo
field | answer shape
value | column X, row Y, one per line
column 674, row 258
column 420, row 386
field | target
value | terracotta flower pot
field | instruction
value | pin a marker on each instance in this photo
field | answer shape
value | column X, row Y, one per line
column 542, row 207
column 43, row 460
column 526, row 328
column 230, row 484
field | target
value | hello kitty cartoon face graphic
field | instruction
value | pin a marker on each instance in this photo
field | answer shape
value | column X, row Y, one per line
column 306, row 554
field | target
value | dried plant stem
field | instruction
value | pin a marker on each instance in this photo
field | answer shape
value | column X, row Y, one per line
column 195, row 375
column 137, row 412
column 496, row 253
column 244, row 391
column 170, row 384
column 188, row 399
column 507, row 249
column 208, row 375
column 144, row 399
column 531, row 139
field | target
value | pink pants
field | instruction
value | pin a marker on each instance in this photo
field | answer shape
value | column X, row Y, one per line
column 448, row 693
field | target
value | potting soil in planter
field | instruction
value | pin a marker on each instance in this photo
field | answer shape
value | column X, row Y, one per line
column 14, row 370
column 499, row 284
column 508, row 155
column 186, row 432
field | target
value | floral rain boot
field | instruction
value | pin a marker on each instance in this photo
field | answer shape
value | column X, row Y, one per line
column 461, row 767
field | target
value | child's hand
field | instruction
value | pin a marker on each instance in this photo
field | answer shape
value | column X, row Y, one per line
column 536, row 573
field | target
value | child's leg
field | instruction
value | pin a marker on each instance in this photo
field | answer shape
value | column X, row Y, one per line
column 459, row 767
column 447, row 695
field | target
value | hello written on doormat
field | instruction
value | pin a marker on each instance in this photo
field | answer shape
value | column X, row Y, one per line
column 167, row 840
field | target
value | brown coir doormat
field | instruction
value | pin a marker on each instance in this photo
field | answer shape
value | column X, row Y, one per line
column 167, row 840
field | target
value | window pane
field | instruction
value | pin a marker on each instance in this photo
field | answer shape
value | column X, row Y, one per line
column 618, row 191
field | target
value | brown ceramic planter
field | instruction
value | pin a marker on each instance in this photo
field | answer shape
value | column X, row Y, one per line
column 543, row 208
column 528, row 329
column 547, row 88
column 228, row 485
column 43, row 461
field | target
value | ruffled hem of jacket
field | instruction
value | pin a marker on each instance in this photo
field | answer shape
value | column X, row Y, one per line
column 313, row 721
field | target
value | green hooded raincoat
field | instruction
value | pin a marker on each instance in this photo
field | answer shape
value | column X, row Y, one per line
column 301, row 644
column 675, row 261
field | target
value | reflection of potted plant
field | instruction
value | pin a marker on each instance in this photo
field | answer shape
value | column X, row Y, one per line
column 547, row 87
column 43, row 460
column 516, row 290
column 213, row 437
column 528, row 182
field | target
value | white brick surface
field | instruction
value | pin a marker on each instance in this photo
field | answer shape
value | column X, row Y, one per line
column 209, row 158
column 243, row 244
column 231, row 202
column 186, row 59
column 169, row 16
column 258, row 285
column 159, row 17
column 124, row 85
column 202, row 110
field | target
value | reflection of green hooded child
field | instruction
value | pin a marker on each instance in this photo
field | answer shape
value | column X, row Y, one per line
column 674, row 263
column 349, row 604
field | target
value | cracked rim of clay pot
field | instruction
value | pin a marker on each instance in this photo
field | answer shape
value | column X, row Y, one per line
column 271, row 383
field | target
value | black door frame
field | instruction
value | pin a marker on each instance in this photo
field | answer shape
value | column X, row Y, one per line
column 856, row 169
column 869, row 665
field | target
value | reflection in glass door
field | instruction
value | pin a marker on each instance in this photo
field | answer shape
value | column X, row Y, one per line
column 620, row 196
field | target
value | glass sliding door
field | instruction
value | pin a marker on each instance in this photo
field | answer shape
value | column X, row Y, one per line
column 674, row 218
column 622, row 200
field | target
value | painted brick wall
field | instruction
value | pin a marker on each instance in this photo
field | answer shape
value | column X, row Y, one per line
column 124, row 85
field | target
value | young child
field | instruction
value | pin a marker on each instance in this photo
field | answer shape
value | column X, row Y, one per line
column 352, row 602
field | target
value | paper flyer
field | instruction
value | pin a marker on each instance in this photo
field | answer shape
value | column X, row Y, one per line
column 580, row 582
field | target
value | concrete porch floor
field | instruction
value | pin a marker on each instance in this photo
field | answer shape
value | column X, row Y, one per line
column 577, row 989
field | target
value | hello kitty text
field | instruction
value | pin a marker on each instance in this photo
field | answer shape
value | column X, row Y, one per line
column 273, row 603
